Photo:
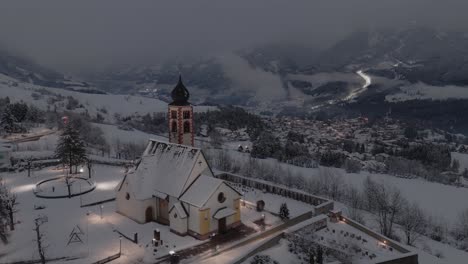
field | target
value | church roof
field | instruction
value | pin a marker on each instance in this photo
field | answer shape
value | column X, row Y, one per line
column 180, row 210
column 224, row 212
column 165, row 168
column 201, row 190
column 180, row 94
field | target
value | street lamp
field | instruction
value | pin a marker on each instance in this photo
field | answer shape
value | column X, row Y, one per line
column 102, row 206
column 87, row 229
column 120, row 247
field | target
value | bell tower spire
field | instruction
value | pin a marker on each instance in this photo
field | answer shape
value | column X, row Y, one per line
column 180, row 116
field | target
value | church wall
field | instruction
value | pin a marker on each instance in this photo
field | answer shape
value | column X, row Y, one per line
column 194, row 218
column 177, row 224
column 133, row 208
column 215, row 205
column 204, row 220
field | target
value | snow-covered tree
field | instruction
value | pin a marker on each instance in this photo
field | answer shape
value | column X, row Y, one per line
column 7, row 121
column 455, row 166
column 70, row 148
column 3, row 218
column 284, row 211
column 386, row 202
column 412, row 222
column 38, row 222
column 352, row 165
column 461, row 227
column 9, row 204
column 263, row 259
column 19, row 111
column 465, row 173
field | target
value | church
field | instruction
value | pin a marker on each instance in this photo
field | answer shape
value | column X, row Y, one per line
column 173, row 183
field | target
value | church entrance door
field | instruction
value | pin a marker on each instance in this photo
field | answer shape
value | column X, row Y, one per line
column 222, row 225
column 149, row 214
column 163, row 216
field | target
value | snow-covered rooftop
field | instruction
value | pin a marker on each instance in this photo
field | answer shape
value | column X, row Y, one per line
column 224, row 212
column 201, row 190
column 180, row 210
column 164, row 168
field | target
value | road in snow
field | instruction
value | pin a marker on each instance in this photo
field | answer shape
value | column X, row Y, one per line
column 353, row 94
column 367, row 83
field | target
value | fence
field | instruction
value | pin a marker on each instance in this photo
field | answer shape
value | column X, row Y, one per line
column 108, row 259
column 321, row 205
column 98, row 202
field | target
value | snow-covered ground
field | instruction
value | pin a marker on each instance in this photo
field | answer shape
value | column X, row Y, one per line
column 99, row 238
column 113, row 104
column 425, row 91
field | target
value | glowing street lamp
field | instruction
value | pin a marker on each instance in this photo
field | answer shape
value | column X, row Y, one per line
column 102, row 206
column 120, row 248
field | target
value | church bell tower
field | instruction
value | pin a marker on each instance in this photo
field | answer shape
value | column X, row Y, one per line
column 180, row 116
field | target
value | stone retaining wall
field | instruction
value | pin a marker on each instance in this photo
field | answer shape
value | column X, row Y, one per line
column 321, row 205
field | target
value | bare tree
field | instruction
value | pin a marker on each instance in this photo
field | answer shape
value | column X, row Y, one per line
column 386, row 202
column 9, row 201
column 355, row 202
column 331, row 182
column 216, row 138
column 461, row 227
column 413, row 222
column 223, row 161
column 38, row 222
column 29, row 165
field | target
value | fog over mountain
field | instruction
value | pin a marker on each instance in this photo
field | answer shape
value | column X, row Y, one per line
column 80, row 35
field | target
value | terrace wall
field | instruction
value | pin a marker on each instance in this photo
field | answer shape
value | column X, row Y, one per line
column 321, row 205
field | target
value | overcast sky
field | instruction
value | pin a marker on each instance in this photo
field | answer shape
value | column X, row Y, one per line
column 83, row 33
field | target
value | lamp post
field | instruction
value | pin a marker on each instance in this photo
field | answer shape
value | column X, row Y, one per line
column 102, row 206
column 120, row 246
column 87, row 229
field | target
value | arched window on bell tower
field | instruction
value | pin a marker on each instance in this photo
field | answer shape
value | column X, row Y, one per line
column 186, row 127
column 174, row 126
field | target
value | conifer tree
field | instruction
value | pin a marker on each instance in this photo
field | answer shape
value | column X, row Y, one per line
column 70, row 148
column 284, row 211
column 7, row 121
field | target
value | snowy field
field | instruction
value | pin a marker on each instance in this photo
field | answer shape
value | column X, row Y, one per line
column 424, row 91
column 99, row 238
column 446, row 205
column 114, row 104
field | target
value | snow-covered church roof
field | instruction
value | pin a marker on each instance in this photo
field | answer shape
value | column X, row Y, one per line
column 201, row 190
column 165, row 168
